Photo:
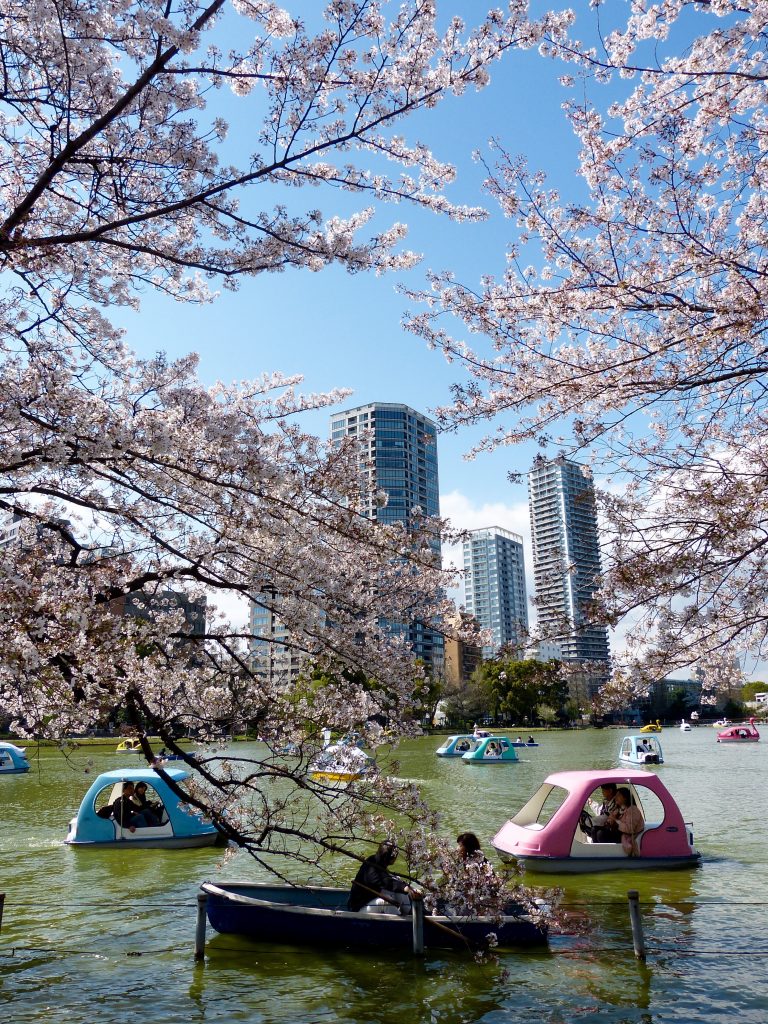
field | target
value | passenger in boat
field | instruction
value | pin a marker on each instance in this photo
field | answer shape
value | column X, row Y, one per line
column 468, row 846
column 604, row 829
column 151, row 809
column 492, row 750
column 127, row 812
column 629, row 820
column 462, row 745
column 531, row 739
column 519, row 739
column 373, row 884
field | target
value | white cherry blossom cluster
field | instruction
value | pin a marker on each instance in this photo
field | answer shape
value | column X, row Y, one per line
column 629, row 326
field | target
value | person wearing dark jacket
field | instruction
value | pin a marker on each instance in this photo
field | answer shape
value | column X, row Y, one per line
column 151, row 810
column 374, row 884
column 126, row 812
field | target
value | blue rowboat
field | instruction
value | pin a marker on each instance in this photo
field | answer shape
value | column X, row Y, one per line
column 180, row 825
column 319, row 916
column 13, row 759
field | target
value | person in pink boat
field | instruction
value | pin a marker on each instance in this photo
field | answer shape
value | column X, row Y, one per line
column 629, row 819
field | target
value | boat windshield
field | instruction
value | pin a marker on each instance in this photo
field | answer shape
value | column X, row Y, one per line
column 541, row 807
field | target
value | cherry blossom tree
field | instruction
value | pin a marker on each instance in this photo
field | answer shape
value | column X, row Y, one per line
column 129, row 476
column 630, row 320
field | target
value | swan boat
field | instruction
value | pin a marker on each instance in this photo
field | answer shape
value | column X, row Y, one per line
column 739, row 734
column 652, row 727
column 180, row 826
column 546, row 834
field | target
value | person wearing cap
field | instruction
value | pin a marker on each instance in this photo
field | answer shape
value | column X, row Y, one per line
column 374, row 885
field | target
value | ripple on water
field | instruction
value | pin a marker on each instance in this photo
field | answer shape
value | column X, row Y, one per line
column 82, row 925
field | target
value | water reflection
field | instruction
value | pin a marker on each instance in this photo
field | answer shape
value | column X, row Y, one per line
column 73, row 916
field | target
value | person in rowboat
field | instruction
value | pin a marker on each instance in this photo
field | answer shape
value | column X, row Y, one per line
column 374, row 885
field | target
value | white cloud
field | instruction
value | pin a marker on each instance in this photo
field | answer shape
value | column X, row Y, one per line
column 465, row 514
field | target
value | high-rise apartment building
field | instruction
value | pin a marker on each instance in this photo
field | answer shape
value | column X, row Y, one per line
column 273, row 657
column 494, row 586
column 566, row 558
column 398, row 456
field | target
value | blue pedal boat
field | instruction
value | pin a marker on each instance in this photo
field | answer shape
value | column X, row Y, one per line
column 640, row 750
column 492, row 750
column 458, row 746
column 180, row 826
column 319, row 916
column 13, row 759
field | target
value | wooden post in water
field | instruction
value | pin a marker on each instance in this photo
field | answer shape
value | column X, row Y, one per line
column 202, row 899
column 638, row 939
column 417, row 912
column 2, row 904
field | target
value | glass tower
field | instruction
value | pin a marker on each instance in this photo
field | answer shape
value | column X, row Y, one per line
column 566, row 557
column 494, row 586
column 399, row 456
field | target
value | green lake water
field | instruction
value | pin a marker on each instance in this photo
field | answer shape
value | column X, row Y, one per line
column 97, row 936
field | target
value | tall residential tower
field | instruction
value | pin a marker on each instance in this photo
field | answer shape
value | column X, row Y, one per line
column 398, row 456
column 494, row 585
column 566, row 559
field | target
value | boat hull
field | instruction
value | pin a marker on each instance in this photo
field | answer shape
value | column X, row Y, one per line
column 264, row 913
column 593, row 865
column 170, row 843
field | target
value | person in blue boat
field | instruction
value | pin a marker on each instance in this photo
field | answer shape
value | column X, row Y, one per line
column 151, row 809
column 127, row 812
column 374, row 885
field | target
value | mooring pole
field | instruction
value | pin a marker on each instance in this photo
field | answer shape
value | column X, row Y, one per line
column 202, row 899
column 417, row 911
column 638, row 939
column 2, row 904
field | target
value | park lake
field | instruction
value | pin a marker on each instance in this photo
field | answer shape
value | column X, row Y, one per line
column 94, row 936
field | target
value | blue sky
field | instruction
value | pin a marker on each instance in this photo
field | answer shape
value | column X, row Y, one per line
column 345, row 331
column 339, row 330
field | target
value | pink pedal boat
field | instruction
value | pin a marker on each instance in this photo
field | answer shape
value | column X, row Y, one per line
column 553, row 832
column 739, row 734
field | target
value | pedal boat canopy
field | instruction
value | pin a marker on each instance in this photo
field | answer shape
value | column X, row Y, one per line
column 180, row 825
column 546, row 834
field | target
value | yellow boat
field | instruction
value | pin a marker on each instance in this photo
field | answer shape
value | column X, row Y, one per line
column 652, row 727
column 129, row 746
